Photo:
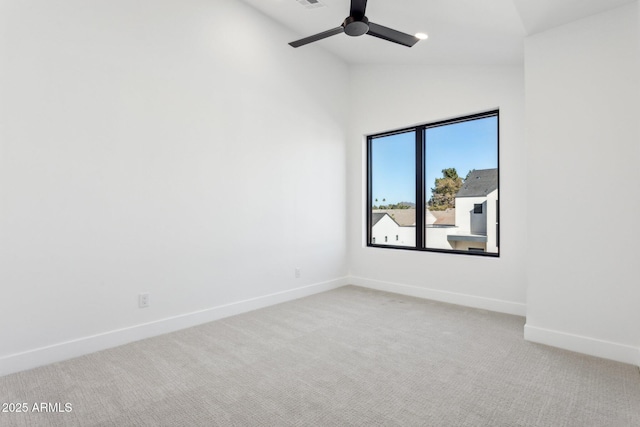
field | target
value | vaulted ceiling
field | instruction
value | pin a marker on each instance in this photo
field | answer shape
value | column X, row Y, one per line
column 460, row 31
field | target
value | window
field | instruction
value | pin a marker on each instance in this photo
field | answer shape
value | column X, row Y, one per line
column 442, row 176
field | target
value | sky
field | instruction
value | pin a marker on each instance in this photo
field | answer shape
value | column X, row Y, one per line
column 464, row 146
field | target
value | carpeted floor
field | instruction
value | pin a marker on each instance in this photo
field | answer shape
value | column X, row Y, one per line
column 348, row 357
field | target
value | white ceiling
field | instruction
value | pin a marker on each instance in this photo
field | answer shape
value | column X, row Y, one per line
column 460, row 31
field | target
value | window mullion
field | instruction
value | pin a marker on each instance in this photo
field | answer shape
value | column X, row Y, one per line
column 420, row 193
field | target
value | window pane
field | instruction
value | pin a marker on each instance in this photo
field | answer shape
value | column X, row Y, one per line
column 393, row 189
column 461, row 185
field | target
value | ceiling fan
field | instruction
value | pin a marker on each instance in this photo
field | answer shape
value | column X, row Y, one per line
column 357, row 24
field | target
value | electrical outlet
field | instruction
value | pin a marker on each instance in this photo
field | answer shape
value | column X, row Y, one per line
column 143, row 300
column 297, row 273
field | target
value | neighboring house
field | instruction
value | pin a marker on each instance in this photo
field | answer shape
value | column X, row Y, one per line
column 471, row 226
column 439, row 224
column 442, row 218
column 386, row 230
column 477, row 213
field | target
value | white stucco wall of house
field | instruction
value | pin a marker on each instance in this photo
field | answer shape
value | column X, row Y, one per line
column 436, row 237
column 483, row 224
column 388, row 232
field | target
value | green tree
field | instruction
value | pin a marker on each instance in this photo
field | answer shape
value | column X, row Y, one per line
column 468, row 173
column 443, row 194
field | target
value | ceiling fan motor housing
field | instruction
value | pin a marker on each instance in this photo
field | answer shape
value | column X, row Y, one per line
column 356, row 27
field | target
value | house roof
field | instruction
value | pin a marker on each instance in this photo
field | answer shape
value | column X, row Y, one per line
column 407, row 217
column 446, row 217
column 403, row 217
column 479, row 183
column 376, row 217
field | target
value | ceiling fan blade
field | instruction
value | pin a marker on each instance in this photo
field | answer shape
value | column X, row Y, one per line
column 317, row 37
column 391, row 35
column 358, row 7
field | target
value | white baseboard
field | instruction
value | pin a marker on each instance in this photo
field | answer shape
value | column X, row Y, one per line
column 585, row 345
column 500, row 306
column 85, row 345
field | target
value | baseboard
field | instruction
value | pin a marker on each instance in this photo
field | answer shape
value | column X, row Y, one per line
column 585, row 345
column 500, row 306
column 86, row 345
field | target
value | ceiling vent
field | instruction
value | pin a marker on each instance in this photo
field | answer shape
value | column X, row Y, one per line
column 311, row 4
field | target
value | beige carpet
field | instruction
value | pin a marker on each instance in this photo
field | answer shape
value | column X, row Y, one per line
column 348, row 357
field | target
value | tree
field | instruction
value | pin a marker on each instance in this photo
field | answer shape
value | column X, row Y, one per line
column 400, row 205
column 443, row 195
column 468, row 173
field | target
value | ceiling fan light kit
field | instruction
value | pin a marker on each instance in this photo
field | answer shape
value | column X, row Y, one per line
column 357, row 24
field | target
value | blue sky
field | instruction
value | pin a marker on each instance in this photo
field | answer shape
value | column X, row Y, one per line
column 464, row 146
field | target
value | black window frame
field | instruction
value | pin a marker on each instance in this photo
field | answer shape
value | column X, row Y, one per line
column 421, row 185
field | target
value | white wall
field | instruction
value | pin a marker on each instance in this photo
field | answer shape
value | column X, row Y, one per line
column 391, row 97
column 437, row 237
column 179, row 148
column 582, row 103
column 387, row 227
column 182, row 149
